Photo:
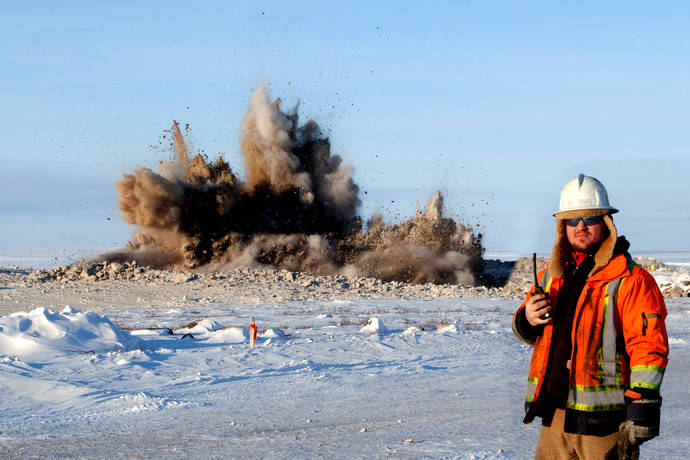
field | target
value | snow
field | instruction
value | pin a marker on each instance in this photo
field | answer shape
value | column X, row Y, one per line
column 272, row 334
column 230, row 334
column 452, row 327
column 446, row 380
column 374, row 326
column 204, row 326
column 42, row 332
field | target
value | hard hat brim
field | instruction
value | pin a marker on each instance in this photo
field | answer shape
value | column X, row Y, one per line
column 584, row 212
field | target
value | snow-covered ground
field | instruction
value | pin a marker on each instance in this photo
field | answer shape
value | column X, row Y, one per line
column 436, row 378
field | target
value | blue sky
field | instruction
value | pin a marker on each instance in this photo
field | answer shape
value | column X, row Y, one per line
column 497, row 103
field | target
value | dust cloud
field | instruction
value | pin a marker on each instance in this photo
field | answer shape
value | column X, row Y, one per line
column 296, row 210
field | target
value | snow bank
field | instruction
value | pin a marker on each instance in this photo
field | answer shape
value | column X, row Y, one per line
column 41, row 331
column 200, row 327
column 448, row 328
column 230, row 334
column 272, row 334
column 374, row 326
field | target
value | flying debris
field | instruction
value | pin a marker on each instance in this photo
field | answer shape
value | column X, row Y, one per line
column 296, row 210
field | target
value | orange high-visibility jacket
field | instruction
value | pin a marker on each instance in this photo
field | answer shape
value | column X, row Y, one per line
column 619, row 339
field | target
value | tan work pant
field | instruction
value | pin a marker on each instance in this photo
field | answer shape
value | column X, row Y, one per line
column 556, row 444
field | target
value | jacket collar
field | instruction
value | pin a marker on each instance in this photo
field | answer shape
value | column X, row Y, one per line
column 616, row 268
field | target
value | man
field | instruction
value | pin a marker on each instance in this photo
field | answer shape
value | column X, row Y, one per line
column 599, row 338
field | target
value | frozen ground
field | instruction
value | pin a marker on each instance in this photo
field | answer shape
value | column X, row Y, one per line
column 321, row 388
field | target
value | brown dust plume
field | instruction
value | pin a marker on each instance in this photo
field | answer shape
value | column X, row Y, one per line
column 296, row 209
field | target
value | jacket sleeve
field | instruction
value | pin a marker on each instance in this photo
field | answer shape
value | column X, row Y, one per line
column 643, row 314
column 522, row 329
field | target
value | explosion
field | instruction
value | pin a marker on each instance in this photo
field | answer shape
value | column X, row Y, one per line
column 296, row 210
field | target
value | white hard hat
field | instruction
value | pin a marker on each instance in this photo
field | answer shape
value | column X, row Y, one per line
column 583, row 193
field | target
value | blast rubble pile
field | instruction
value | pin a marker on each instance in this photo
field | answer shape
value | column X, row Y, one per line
column 277, row 284
column 502, row 279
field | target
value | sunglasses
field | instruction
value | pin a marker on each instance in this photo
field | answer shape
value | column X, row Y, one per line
column 588, row 221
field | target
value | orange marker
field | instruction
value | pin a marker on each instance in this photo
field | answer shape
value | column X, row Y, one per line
column 252, row 333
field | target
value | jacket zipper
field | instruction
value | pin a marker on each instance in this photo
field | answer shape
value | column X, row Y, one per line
column 644, row 324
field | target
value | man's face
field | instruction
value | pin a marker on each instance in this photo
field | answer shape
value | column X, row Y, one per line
column 585, row 237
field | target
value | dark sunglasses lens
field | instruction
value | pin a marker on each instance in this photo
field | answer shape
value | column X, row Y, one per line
column 593, row 220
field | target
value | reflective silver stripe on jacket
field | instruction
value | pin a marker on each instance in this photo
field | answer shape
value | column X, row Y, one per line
column 607, row 355
column 595, row 398
column 531, row 389
column 646, row 377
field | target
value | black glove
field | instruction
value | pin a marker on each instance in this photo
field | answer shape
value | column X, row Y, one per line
column 641, row 423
